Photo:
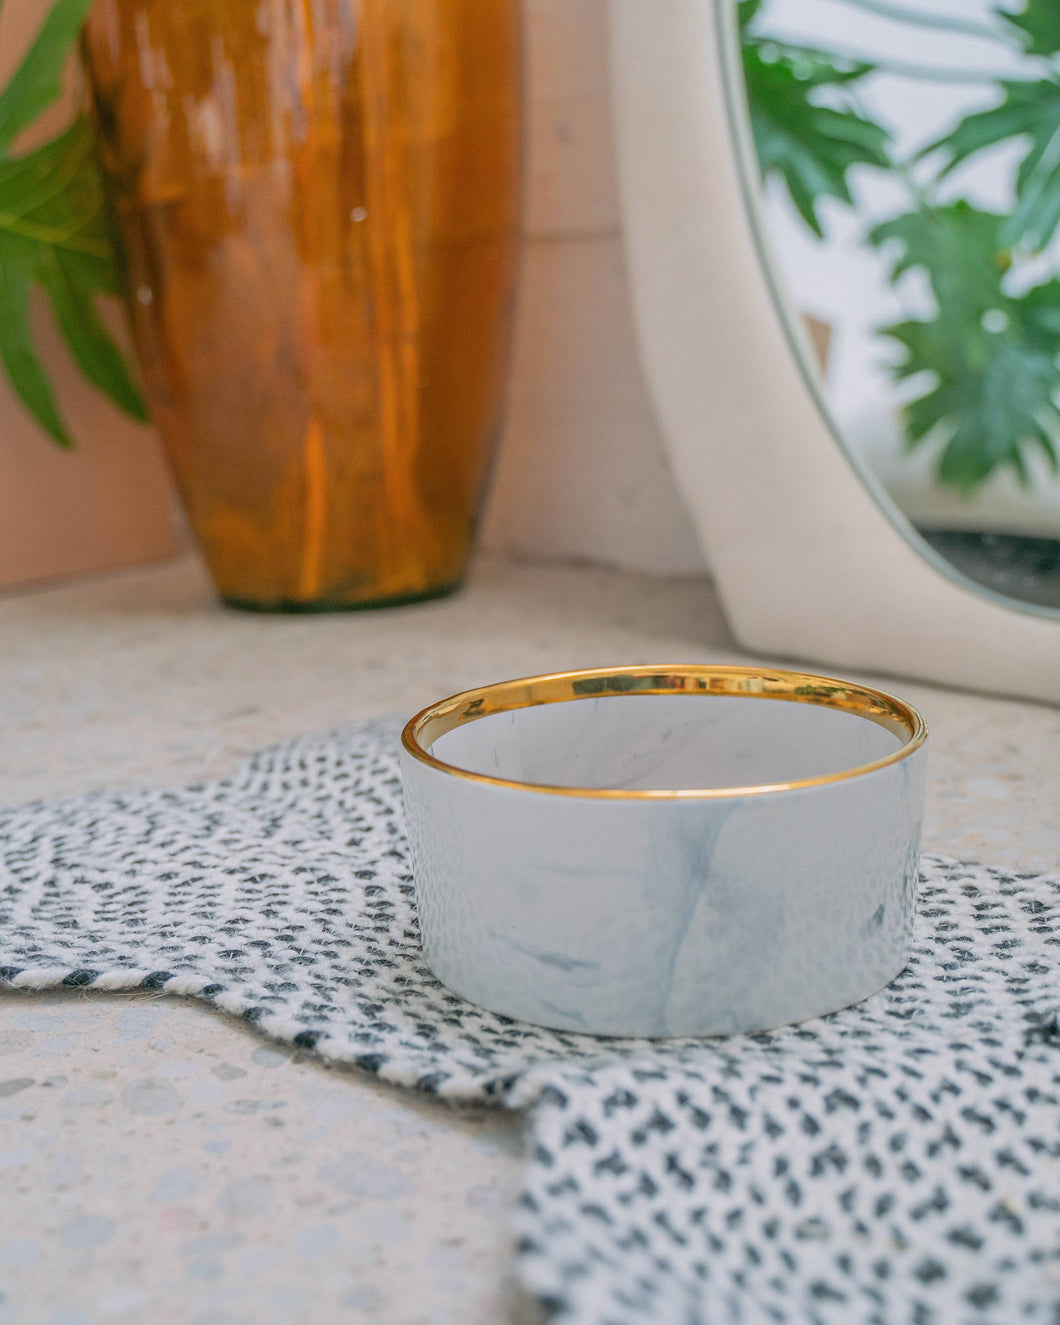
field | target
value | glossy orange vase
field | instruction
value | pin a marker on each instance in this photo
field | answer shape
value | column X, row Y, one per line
column 318, row 203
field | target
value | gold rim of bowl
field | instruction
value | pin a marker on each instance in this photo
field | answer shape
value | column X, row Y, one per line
column 877, row 706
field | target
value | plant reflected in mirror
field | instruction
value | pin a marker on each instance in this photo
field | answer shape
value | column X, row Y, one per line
column 911, row 158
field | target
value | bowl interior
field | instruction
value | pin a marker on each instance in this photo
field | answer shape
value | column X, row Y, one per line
column 678, row 742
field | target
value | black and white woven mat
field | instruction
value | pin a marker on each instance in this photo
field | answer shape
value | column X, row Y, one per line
column 897, row 1162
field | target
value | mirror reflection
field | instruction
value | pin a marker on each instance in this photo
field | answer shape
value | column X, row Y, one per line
column 910, row 154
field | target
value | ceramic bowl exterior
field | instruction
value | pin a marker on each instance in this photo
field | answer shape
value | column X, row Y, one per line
column 606, row 905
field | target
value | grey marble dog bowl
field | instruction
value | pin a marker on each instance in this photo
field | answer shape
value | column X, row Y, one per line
column 678, row 850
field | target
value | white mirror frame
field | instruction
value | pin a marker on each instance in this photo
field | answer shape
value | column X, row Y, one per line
column 810, row 557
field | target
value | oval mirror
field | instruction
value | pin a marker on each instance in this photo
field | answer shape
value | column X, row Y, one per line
column 842, row 225
column 910, row 155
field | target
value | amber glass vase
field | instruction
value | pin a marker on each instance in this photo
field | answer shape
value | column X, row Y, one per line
column 317, row 201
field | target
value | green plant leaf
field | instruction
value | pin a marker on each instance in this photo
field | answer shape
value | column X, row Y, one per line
column 992, row 358
column 24, row 368
column 809, row 145
column 991, row 405
column 747, row 11
column 1038, row 26
column 63, row 276
column 54, row 233
column 958, row 248
column 987, row 362
column 1041, row 312
column 1031, row 108
column 37, row 82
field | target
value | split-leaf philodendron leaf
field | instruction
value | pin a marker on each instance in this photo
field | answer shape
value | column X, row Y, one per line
column 1038, row 26
column 1031, row 113
column 988, row 361
column 799, row 139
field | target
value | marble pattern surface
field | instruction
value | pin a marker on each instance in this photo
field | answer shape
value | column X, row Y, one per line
column 138, row 679
column 669, row 916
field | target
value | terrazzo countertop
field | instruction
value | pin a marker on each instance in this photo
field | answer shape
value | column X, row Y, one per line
column 162, row 1163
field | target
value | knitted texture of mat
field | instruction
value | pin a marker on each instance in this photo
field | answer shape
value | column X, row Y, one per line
column 899, row 1161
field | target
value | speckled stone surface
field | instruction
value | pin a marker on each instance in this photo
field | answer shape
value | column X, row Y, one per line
column 161, row 1162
